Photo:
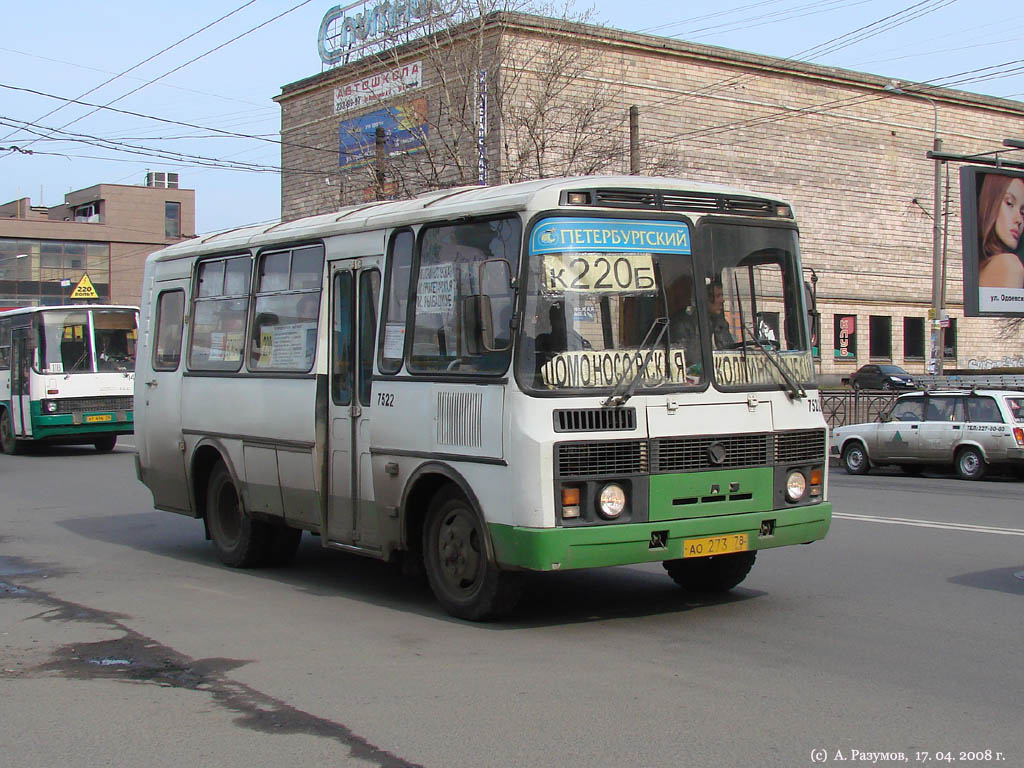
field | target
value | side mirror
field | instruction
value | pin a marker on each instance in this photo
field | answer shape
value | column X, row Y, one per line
column 477, row 325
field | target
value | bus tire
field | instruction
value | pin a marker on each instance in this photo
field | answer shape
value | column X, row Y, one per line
column 8, row 442
column 240, row 541
column 711, row 575
column 464, row 580
column 105, row 444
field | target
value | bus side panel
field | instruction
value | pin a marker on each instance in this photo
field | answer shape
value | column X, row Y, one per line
column 266, row 427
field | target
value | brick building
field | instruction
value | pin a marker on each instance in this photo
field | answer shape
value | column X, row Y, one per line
column 105, row 231
column 849, row 153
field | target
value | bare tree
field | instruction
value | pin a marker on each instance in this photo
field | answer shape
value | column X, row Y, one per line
column 501, row 100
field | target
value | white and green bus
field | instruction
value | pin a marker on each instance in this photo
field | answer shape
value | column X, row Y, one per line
column 553, row 375
column 67, row 375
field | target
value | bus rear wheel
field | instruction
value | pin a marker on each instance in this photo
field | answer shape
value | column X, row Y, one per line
column 240, row 541
column 105, row 444
column 8, row 442
column 711, row 575
column 464, row 580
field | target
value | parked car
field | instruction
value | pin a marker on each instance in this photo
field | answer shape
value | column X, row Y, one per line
column 970, row 431
column 881, row 377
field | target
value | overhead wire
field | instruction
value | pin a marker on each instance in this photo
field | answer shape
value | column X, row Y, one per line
column 139, row 64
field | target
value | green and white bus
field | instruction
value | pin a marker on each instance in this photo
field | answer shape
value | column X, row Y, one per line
column 67, row 375
column 559, row 374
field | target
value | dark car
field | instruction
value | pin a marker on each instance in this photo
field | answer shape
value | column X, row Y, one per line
column 881, row 377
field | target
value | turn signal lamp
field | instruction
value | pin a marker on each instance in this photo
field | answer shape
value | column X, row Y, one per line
column 570, row 503
column 1018, row 435
column 816, row 477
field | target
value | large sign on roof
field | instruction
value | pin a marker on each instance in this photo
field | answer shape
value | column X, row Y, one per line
column 345, row 31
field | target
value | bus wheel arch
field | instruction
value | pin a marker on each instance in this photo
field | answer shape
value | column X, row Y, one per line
column 422, row 487
column 456, row 549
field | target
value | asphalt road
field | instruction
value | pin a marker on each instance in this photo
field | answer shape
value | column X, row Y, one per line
column 123, row 642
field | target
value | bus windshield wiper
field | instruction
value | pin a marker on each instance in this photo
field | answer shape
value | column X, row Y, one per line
column 648, row 346
column 793, row 388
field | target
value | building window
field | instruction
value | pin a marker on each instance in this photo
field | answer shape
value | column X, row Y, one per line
column 844, row 334
column 89, row 213
column 949, row 340
column 880, row 337
column 172, row 221
column 913, row 338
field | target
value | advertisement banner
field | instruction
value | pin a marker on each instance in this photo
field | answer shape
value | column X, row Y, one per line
column 992, row 225
column 405, row 129
column 378, row 87
column 845, row 333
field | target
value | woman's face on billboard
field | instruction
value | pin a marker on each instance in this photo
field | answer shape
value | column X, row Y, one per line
column 1010, row 219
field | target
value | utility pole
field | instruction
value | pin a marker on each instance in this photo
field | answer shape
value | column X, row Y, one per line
column 379, row 160
column 634, row 141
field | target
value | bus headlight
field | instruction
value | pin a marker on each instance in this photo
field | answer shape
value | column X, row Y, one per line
column 50, row 406
column 612, row 501
column 796, row 486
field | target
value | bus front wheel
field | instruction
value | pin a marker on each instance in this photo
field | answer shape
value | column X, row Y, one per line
column 8, row 443
column 464, row 580
column 105, row 444
column 710, row 575
column 240, row 541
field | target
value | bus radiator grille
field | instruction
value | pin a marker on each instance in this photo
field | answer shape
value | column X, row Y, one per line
column 80, row 404
column 805, row 446
column 689, row 454
column 614, row 457
column 595, row 419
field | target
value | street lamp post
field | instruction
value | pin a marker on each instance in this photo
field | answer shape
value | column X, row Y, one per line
column 937, row 344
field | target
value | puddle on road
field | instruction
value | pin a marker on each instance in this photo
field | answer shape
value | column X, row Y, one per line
column 135, row 658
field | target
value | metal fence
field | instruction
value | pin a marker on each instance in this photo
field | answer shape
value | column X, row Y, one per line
column 843, row 407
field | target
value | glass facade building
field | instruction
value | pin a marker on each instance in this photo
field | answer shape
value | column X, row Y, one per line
column 42, row 272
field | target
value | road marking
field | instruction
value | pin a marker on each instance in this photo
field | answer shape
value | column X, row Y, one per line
column 931, row 524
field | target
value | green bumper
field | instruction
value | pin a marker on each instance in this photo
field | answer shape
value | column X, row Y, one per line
column 549, row 549
column 67, row 425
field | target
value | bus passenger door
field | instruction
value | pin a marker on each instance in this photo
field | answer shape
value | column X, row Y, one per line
column 354, row 298
column 21, row 375
column 158, row 400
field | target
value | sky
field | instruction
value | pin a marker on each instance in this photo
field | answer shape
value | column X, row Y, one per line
column 220, row 81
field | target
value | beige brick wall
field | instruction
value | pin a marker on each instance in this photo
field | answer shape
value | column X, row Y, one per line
column 850, row 156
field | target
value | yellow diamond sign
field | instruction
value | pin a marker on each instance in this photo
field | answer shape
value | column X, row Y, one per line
column 84, row 289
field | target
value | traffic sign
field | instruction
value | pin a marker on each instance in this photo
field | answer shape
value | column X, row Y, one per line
column 84, row 289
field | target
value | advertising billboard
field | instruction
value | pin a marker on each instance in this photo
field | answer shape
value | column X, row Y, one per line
column 992, row 215
column 405, row 128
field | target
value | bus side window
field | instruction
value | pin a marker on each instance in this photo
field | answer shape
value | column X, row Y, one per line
column 284, row 329
column 396, row 302
column 369, row 291
column 5, row 345
column 170, row 313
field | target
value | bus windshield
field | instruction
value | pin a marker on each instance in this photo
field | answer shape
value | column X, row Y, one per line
column 66, row 340
column 609, row 300
column 613, row 301
column 757, row 321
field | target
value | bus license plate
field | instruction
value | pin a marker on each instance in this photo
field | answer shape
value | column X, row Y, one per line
column 715, row 545
column 100, row 417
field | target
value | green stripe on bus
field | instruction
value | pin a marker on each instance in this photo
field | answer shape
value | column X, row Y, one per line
column 593, row 546
column 703, row 494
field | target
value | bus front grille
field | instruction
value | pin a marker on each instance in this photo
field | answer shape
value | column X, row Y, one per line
column 808, row 445
column 614, row 457
column 81, row 404
column 688, row 454
column 595, row 419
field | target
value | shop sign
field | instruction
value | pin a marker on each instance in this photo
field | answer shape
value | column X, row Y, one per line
column 378, row 87
column 344, row 31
